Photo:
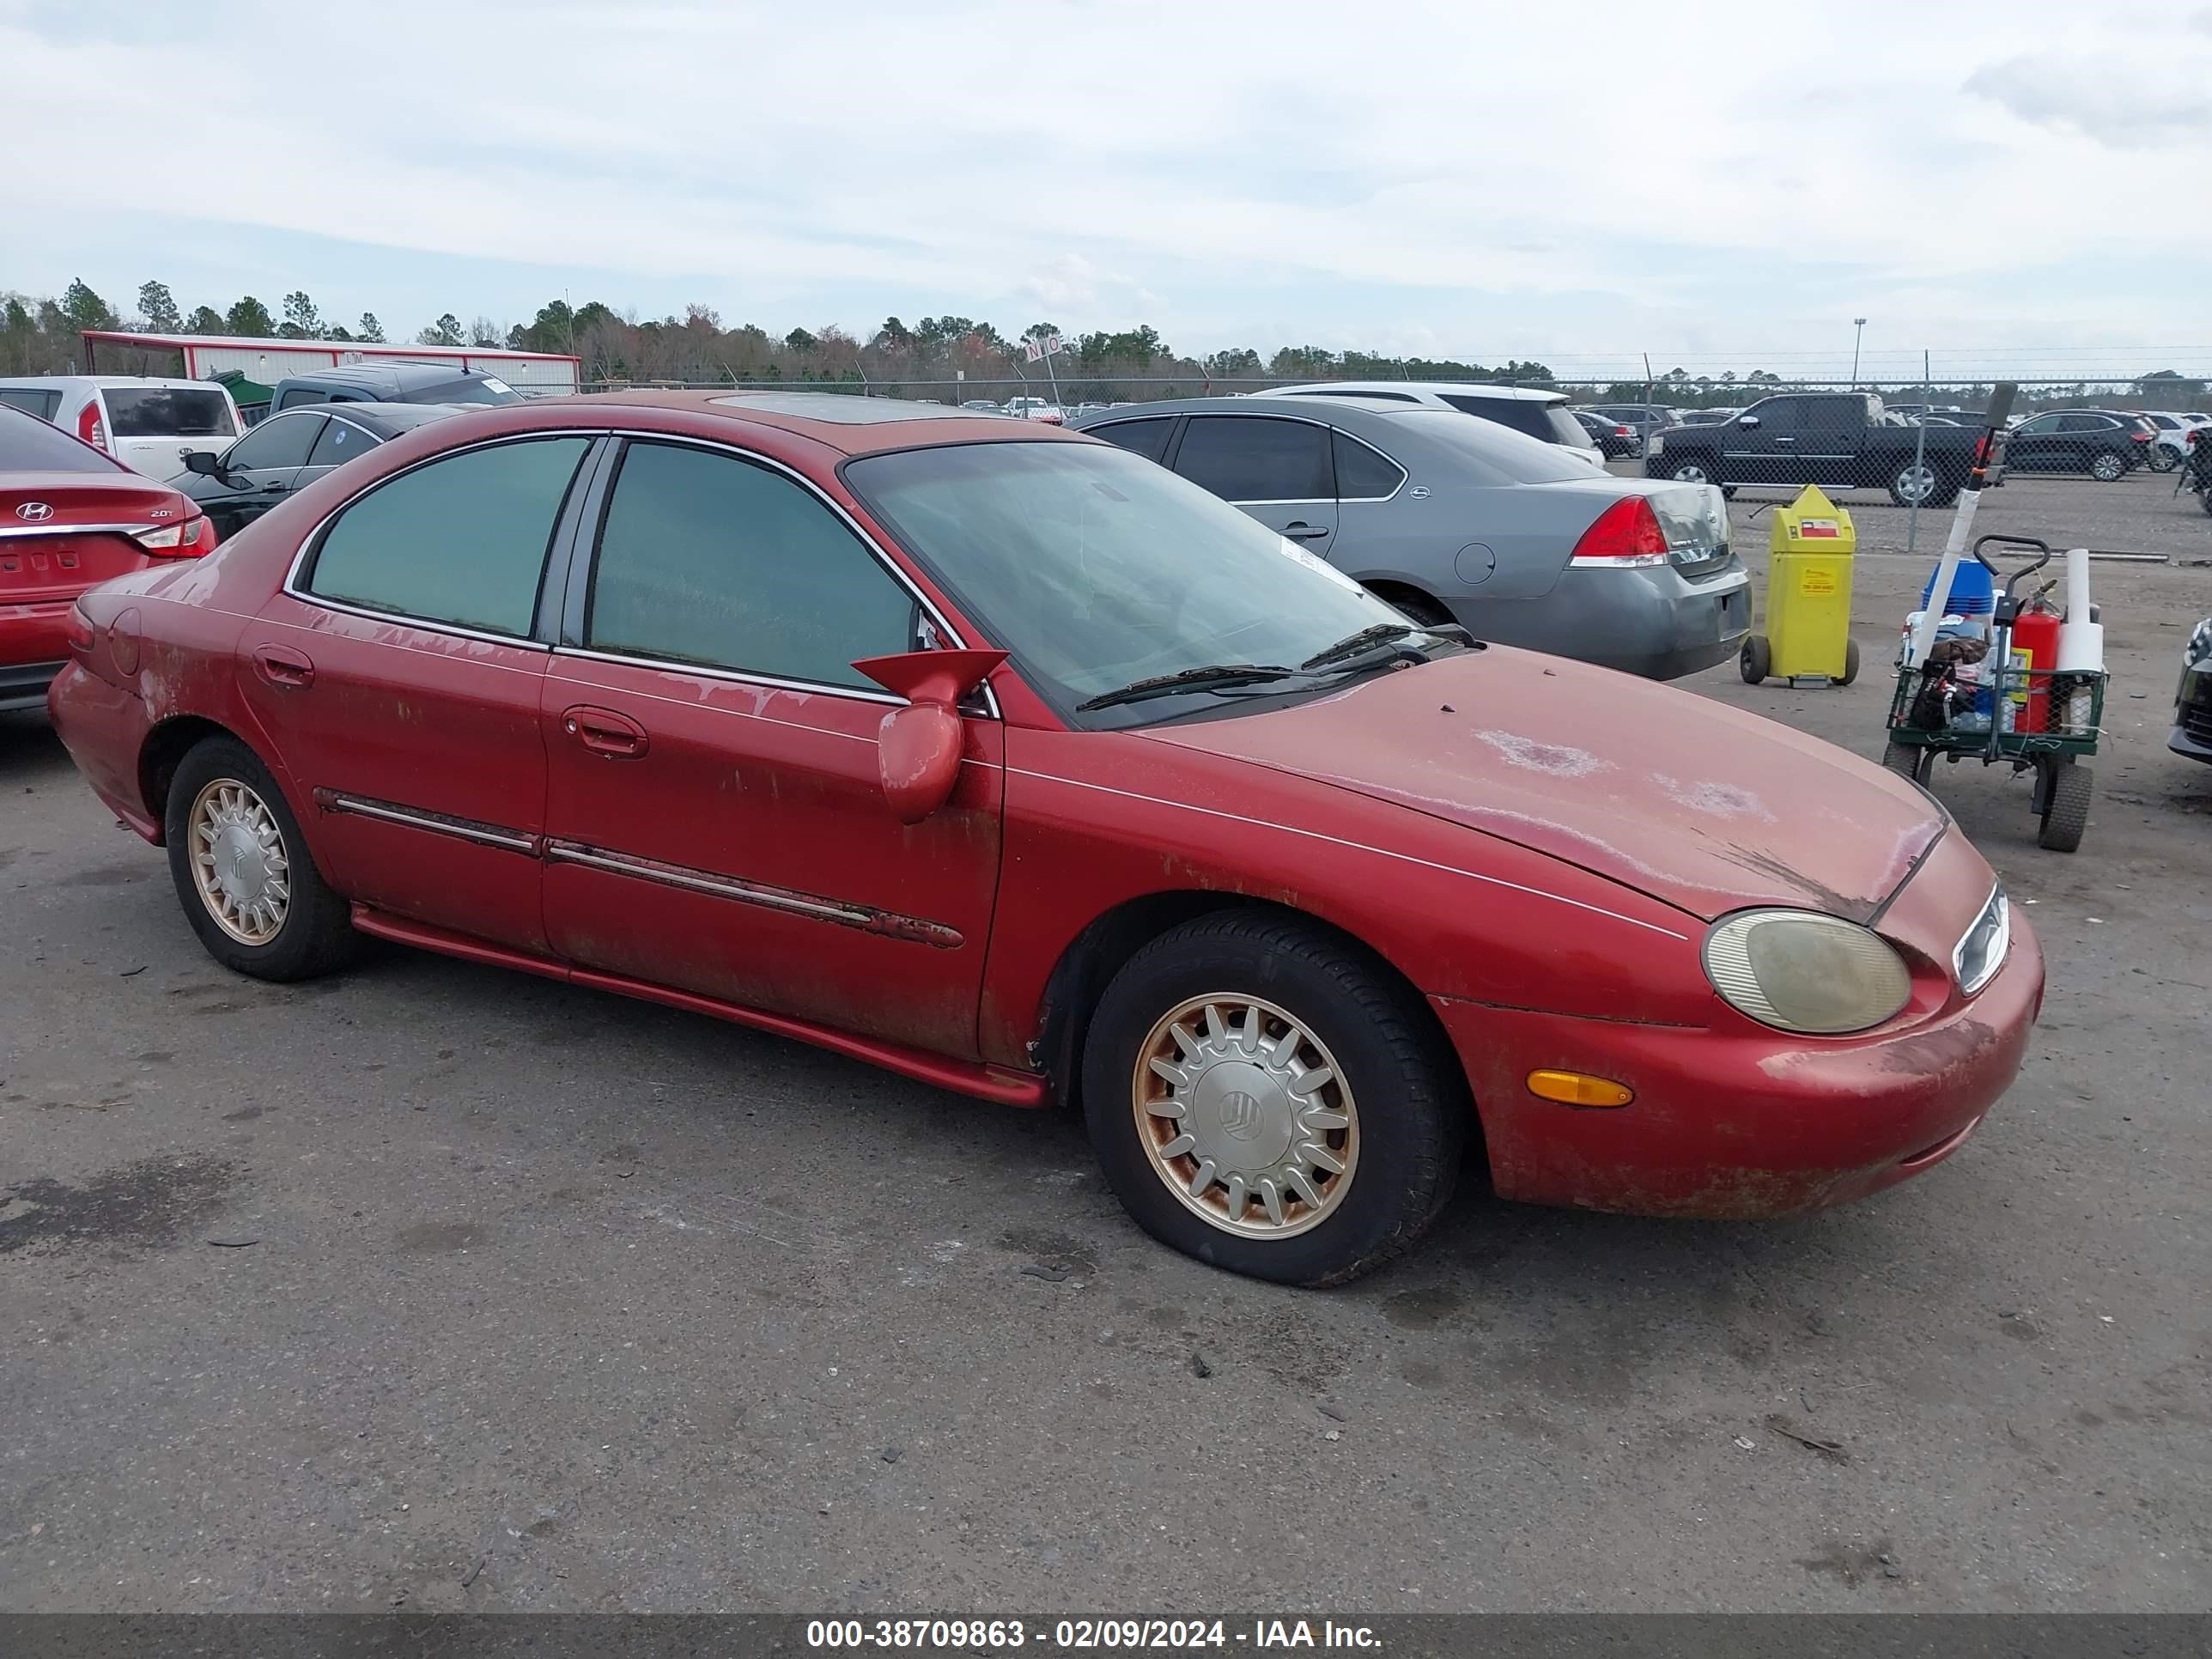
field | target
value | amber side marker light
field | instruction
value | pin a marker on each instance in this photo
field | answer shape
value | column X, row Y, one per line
column 1579, row 1089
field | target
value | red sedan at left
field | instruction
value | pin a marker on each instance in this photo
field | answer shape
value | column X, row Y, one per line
column 1004, row 758
column 71, row 517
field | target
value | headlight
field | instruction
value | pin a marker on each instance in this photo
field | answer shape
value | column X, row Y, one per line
column 1981, row 951
column 1799, row 971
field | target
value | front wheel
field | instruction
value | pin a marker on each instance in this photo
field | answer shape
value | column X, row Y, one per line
column 2108, row 467
column 243, row 871
column 1756, row 660
column 2163, row 459
column 1263, row 1097
column 1914, row 485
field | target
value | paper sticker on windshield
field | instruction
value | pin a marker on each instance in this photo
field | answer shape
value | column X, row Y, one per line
column 496, row 384
column 1291, row 550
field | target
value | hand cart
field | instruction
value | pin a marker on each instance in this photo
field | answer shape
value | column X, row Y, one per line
column 2041, row 717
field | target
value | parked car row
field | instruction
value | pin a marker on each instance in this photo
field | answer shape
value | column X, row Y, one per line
column 1027, row 765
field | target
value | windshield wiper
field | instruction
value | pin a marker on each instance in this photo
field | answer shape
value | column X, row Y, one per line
column 1352, row 644
column 1202, row 679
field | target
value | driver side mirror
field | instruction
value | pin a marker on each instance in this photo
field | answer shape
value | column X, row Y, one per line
column 1746, row 420
column 206, row 463
column 918, row 747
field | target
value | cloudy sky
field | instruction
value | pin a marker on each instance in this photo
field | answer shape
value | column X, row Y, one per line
column 1719, row 185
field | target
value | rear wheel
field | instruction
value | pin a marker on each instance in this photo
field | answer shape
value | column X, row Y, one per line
column 2066, row 814
column 1261, row 1097
column 1850, row 663
column 1909, row 760
column 2107, row 467
column 243, row 871
column 2163, row 459
column 1421, row 608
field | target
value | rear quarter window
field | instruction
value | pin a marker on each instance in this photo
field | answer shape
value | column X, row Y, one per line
column 1521, row 414
column 1147, row 438
column 31, row 401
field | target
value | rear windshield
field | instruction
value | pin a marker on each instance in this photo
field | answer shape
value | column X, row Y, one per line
column 1493, row 454
column 1549, row 422
column 164, row 411
column 485, row 391
column 29, row 445
column 31, row 401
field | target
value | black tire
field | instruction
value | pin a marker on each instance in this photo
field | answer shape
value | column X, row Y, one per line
column 1901, row 758
column 1421, row 608
column 1850, row 662
column 1411, row 1105
column 2108, row 467
column 2066, row 814
column 1697, row 469
column 316, row 932
column 2204, row 500
column 2162, row 458
column 1756, row 660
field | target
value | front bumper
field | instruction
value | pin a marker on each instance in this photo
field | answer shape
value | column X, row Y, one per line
column 1647, row 620
column 1739, row 1127
column 2192, row 713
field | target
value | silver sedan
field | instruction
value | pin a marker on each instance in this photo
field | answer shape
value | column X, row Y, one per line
column 1454, row 520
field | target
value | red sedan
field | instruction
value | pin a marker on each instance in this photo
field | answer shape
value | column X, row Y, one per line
column 71, row 517
column 1005, row 759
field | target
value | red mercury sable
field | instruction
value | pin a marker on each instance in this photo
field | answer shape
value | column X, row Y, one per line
column 1005, row 759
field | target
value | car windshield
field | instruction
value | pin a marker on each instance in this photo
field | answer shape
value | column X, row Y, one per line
column 1096, row 568
column 28, row 444
column 486, row 391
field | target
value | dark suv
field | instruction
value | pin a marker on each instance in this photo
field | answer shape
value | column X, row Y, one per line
column 2105, row 443
column 391, row 383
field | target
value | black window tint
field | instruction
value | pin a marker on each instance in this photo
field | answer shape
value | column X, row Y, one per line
column 1146, row 438
column 1521, row 414
column 1361, row 473
column 2079, row 422
column 281, row 442
column 1779, row 414
column 292, row 397
column 40, row 404
column 1243, row 457
column 167, row 412
column 2040, row 423
column 465, row 392
column 460, row 540
column 709, row 559
column 341, row 441
column 29, row 445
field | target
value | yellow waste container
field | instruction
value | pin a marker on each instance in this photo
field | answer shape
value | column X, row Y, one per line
column 1808, row 640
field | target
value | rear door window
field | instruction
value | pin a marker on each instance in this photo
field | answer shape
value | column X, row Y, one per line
column 1245, row 457
column 460, row 540
column 1147, row 438
column 341, row 441
column 167, row 412
column 31, row 401
column 1363, row 474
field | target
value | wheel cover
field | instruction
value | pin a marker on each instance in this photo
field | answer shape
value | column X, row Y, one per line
column 1245, row 1116
column 1916, row 484
column 239, row 866
column 2107, row 468
column 1691, row 472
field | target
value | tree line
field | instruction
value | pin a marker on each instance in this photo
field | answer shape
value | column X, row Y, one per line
column 935, row 356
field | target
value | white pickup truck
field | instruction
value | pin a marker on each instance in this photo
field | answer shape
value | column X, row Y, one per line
column 1036, row 408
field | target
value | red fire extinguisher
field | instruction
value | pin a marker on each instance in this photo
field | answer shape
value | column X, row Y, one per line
column 2035, row 655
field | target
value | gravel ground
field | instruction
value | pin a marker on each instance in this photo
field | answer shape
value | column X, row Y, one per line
column 439, row 1287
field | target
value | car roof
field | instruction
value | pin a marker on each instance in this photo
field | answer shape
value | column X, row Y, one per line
column 384, row 374
column 851, row 425
column 1457, row 388
column 106, row 381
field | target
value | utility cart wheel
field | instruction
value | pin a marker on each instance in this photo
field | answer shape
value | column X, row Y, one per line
column 1758, row 659
column 2066, row 811
column 1850, row 663
column 1909, row 759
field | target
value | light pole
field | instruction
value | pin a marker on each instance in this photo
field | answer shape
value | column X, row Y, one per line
column 1858, row 323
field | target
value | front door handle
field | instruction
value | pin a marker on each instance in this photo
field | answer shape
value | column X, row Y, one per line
column 1299, row 531
column 602, row 731
column 283, row 667
column 1785, row 440
column 272, row 490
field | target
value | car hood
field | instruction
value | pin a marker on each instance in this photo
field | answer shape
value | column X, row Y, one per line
column 1700, row 805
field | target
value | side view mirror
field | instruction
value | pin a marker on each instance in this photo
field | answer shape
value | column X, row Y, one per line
column 918, row 747
column 206, row 463
column 1746, row 420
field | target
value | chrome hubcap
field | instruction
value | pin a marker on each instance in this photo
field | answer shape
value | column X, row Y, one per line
column 1689, row 475
column 1244, row 1115
column 1915, row 483
column 239, row 864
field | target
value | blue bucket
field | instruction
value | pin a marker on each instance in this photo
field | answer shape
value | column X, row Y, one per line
column 1973, row 592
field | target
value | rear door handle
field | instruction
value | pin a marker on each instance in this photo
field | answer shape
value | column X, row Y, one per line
column 283, row 667
column 602, row 731
column 1299, row 531
column 1785, row 440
